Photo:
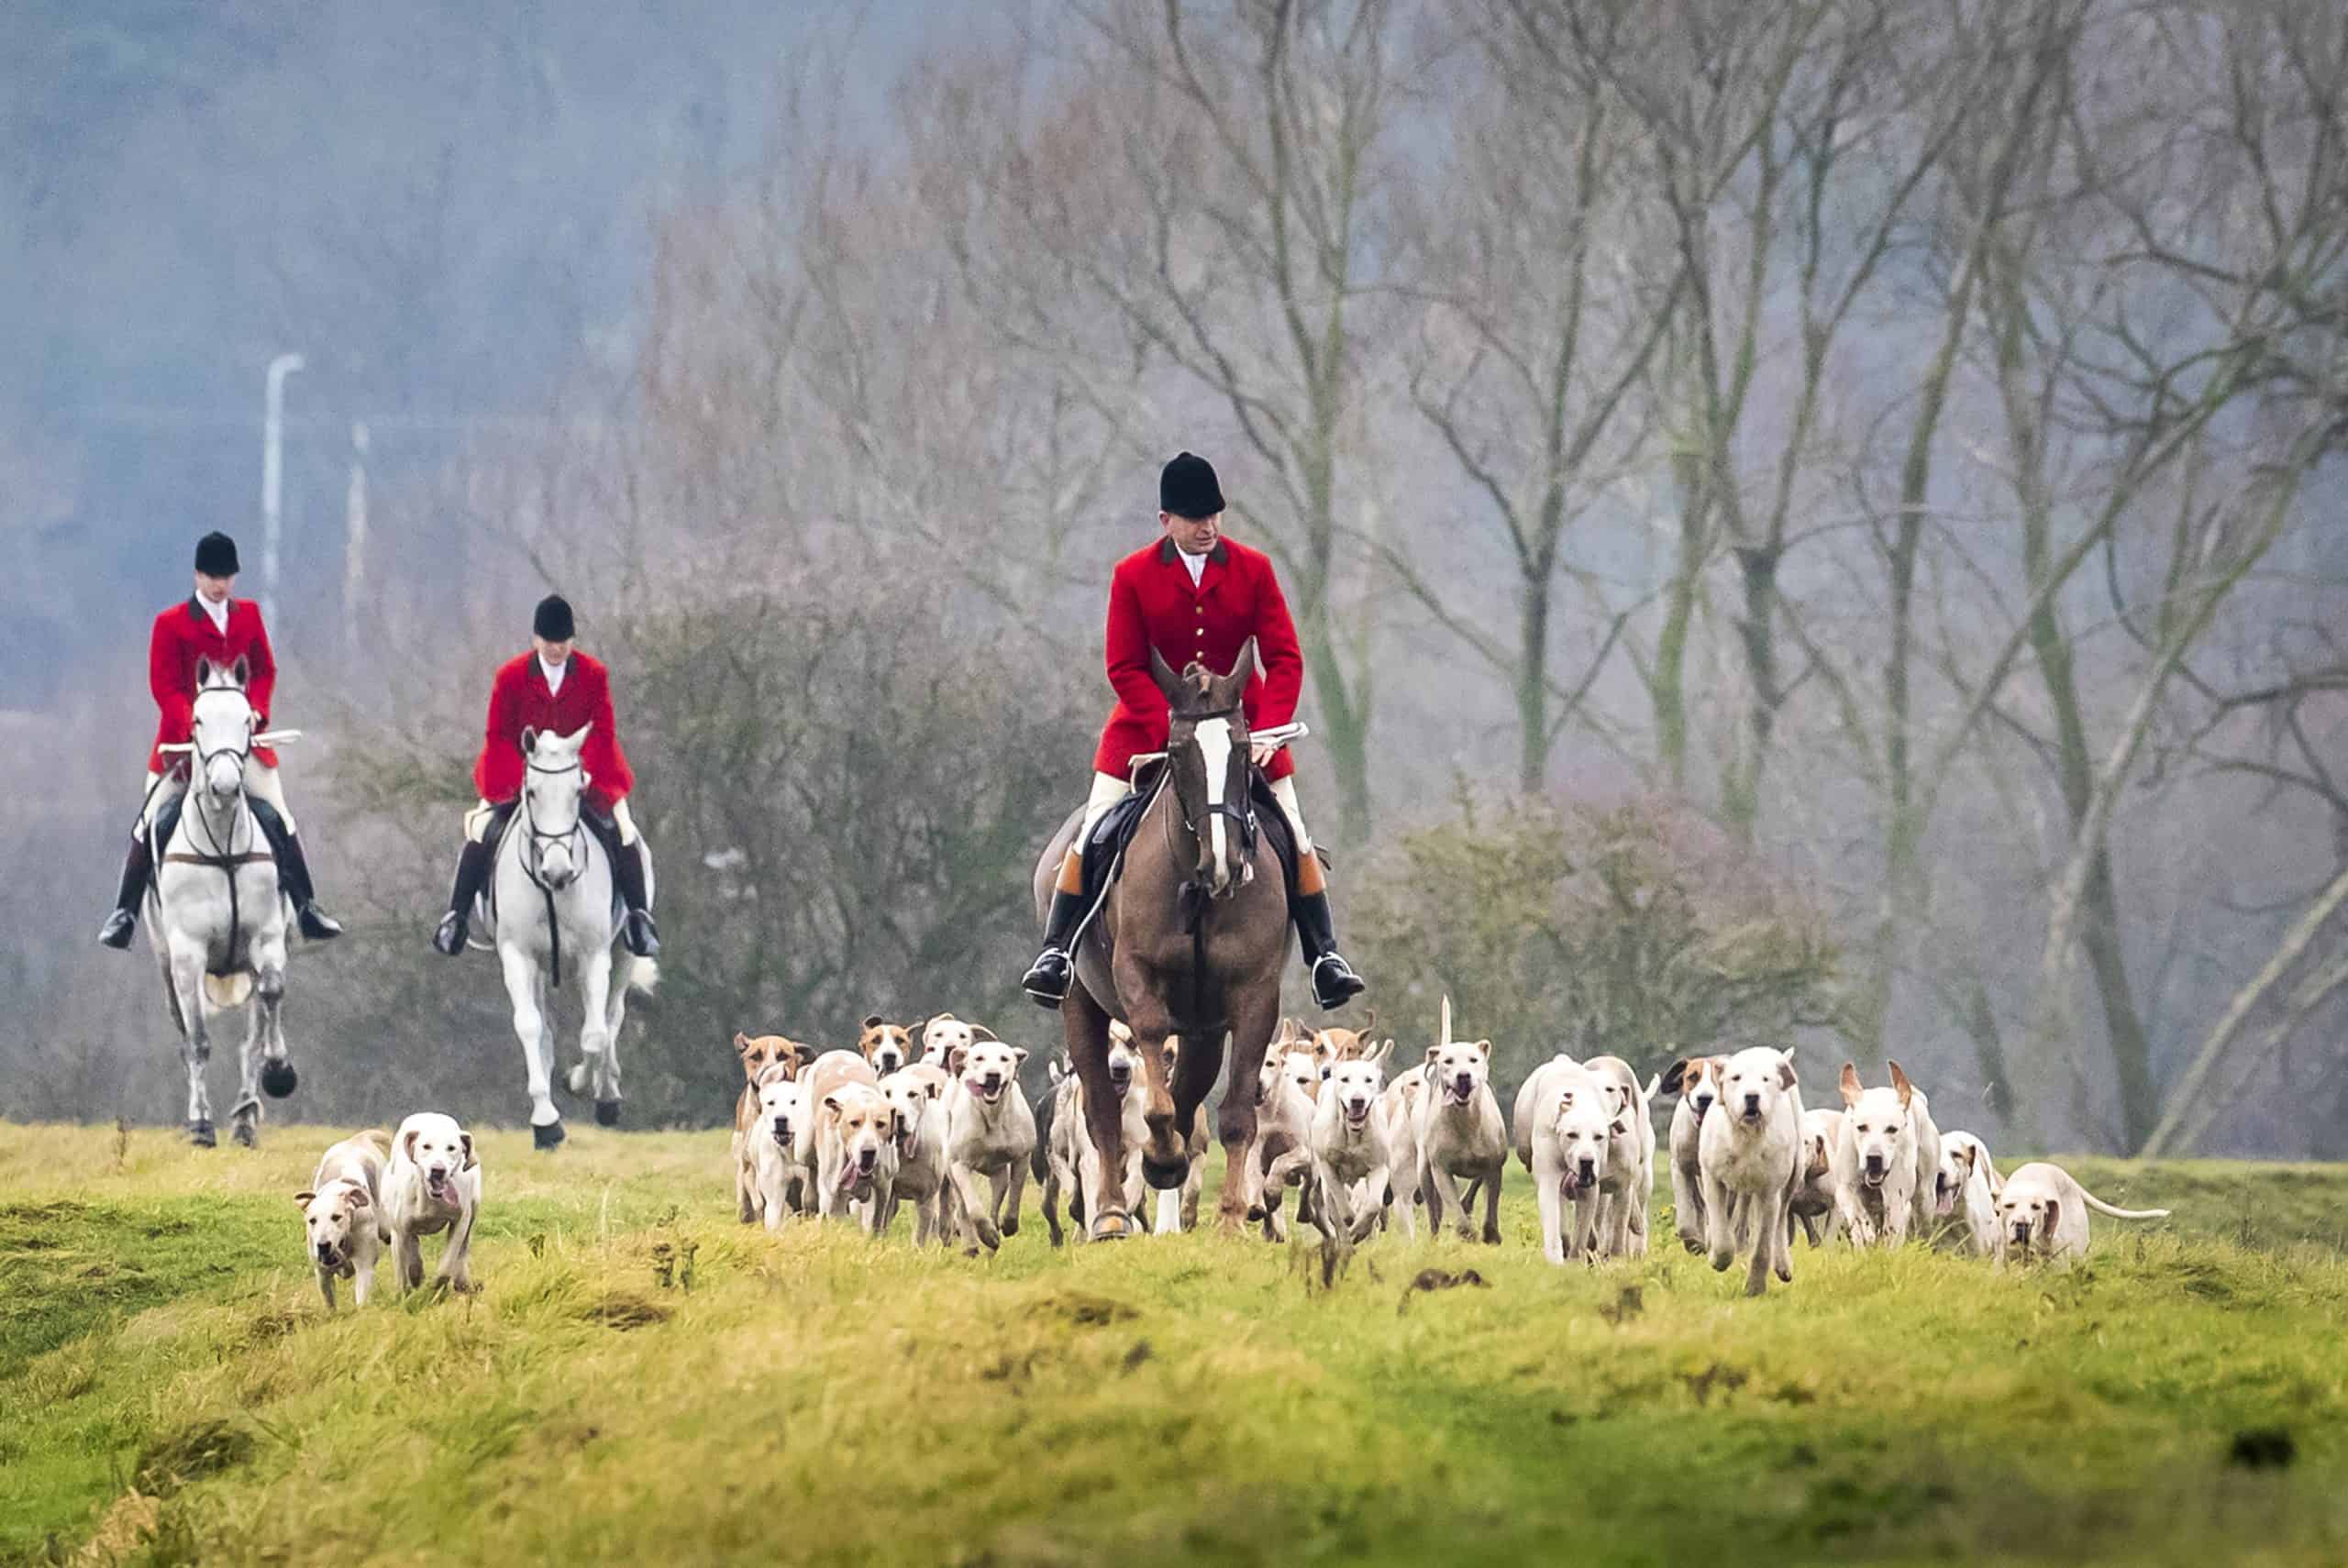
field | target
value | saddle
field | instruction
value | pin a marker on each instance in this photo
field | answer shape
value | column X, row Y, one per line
column 167, row 822
column 500, row 822
column 1104, row 852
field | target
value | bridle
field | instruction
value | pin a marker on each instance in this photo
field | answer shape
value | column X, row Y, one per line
column 539, row 839
column 200, row 764
column 1241, row 816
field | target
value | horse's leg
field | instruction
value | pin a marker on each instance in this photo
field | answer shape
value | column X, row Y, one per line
column 1195, row 1067
column 244, row 1118
column 278, row 1078
column 522, row 988
column 1088, row 1048
column 195, row 1035
column 614, row 1014
column 594, row 1036
column 1254, row 1019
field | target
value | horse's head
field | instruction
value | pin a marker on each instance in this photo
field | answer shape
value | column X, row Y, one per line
column 1206, row 757
column 553, row 790
column 223, row 731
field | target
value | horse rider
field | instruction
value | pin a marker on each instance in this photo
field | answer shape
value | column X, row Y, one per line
column 1195, row 597
column 212, row 624
column 555, row 689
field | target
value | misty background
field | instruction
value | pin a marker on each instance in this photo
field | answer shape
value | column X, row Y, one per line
column 1817, row 522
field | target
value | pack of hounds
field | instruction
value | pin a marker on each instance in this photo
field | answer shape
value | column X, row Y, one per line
column 931, row 1116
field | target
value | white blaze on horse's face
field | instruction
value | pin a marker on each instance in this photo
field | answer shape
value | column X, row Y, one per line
column 223, row 733
column 1215, row 740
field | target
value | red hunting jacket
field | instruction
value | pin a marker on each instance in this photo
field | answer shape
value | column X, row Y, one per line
column 183, row 633
column 1152, row 604
column 519, row 700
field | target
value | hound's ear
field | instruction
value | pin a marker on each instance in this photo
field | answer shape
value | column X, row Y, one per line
column 956, row 1057
column 1784, row 1069
column 1379, row 1051
column 1901, row 1086
column 1851, row 1089
column 1676, row 1076
column 1019, row 1054
column 933, row 1089
column 1619, row 1128
column 832, row 1103
column 1484, row 1049
column 407, row 1144
column 358, row 1199
column 242, row 670
column 302, row 1200
column 1432, row 1052
column 872, row 1020
column 2054, row 1218
column 466, row 1139
column 979, row 1031
column 529, row 740
column 741, row 1043
column 1163, row 673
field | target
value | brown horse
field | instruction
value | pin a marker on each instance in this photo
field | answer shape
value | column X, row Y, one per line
column 1190, row 942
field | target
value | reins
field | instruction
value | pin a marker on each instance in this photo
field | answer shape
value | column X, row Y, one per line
column 224, row 859
column 534, row 855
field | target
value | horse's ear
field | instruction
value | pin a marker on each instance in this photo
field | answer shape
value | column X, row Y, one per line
column 240, row 671
column 529, row 740
column 1163, row 673
column 1228, row 686
column 203, row 671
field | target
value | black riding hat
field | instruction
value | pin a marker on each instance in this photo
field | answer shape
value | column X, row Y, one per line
column 216, row 556
column 1187, row 486
column 552, row 621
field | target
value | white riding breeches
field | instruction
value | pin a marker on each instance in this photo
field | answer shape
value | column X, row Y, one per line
column 260, row 782
column 1108, row 789
column 477, row 822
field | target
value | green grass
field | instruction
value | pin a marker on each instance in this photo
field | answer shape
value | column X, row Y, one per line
column 641, row 1380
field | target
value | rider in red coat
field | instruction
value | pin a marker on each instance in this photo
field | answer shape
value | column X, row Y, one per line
column 557, row 689
column 1195, row 598
column 212, row 624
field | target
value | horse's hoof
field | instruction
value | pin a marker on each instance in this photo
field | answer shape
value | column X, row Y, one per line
column 608, row 1113
column 200, row 1134
column 1111, row 1228
column 547, row 1137
column 1162, row 1178
column 278, row 1079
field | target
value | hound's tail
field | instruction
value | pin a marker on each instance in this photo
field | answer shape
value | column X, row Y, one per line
column 2100, row 1206
column 1445, row 1038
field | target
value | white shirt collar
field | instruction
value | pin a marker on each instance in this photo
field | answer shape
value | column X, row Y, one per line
column 216, row 613
column 554, row 673
column 1195, row 565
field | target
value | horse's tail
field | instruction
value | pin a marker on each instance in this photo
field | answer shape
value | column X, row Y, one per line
column 224, row 991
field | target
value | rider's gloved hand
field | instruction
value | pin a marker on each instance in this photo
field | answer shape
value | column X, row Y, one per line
column 1260, row 752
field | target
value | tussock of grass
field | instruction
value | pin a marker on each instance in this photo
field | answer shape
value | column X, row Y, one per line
column 641, row 1380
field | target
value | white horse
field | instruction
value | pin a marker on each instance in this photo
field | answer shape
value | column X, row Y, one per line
column 549, row 909
column 214, row 914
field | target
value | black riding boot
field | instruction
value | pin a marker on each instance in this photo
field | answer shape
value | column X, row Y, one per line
column 1054, row 970
column 136, row 867
column 472, row 870
column 294, row 874
column 1334, row 980
column 643, row 938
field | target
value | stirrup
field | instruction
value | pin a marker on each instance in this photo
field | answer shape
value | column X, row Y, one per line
column 449, row 940
column 120, row 928
column 1049, row 978
column 316, row 924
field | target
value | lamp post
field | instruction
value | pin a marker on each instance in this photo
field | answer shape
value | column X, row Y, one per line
column 273, row 477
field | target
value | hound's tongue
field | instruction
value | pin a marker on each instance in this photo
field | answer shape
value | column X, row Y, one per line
column 1572, row 1184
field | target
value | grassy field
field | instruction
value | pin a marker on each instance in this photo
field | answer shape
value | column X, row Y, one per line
column 641, row 1380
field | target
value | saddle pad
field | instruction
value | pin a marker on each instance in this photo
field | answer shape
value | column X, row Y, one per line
column 1105, row 850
